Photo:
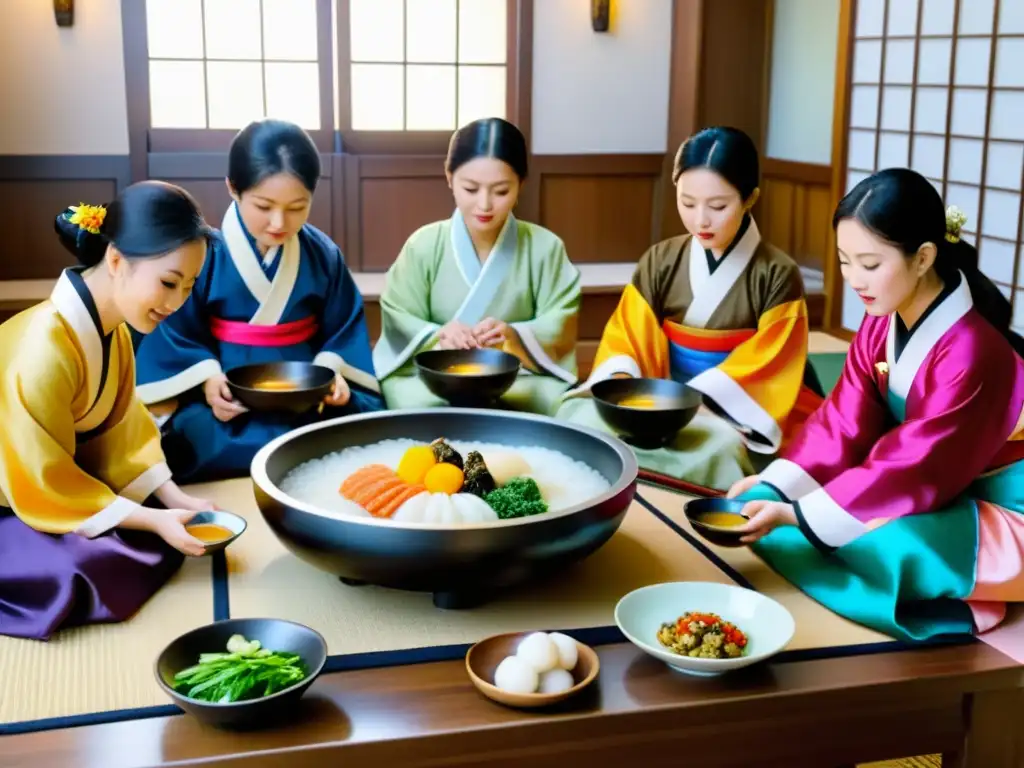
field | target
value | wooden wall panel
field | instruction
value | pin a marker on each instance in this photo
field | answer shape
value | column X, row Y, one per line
column 794, row 212
column 392, row 209
column 30, row 249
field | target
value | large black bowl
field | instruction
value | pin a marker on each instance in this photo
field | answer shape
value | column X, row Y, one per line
column 275, row 634
column 463, row 565
column 675, row 406
column 308, row 385
column 497, row 373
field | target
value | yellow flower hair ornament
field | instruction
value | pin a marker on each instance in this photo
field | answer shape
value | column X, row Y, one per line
column 955, row 220
column 88, row 217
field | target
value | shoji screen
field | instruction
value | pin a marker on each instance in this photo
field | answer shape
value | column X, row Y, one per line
column 938, row 85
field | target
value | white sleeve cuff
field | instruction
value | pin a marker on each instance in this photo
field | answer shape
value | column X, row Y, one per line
column 789, row 478
column 109, row 517
column 337, row 363
column 607, row 369
column 542, row 358
column 823, row 520
column 740, row 407
column 191, row 377
column 143, row 486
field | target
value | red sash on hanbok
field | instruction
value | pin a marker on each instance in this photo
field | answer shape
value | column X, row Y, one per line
column 280, row 335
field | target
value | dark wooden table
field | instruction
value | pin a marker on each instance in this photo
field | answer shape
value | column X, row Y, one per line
column 965, row 701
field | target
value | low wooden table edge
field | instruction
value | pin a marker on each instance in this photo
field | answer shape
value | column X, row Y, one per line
column 963, row 701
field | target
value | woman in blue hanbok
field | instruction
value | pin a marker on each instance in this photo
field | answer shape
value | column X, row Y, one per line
column 273, row 288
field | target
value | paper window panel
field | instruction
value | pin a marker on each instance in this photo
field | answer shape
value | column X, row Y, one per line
column 972, row 61
column 430, row 33
column 293, row 92
column 896, row 108
column 965, row 160
column 860, row 153
column 378, row 101
column 233, row 30
column 177, row 94
column 482, row 34
column 967, row 199
column 1018, row 312
column 235, row 91
column 864, row 106
column 970, row 106
column 928, row 156
column 1005, row 164
column 995, row 258
column 933, row 59
column 867, row 61
column 977, row 16
column 174, row 29
column 1007, row 115
column 481, row 93
column 899, row 61
column 289, row 32
column 376, row 31
column 853, row 308
column 937, row 17
column 870, row 18
column 930, row 109
column 902, row 18
column 1011, row 18
column 430, row 98
column 1009, row 71
column 1001, row 214
column 893, row 150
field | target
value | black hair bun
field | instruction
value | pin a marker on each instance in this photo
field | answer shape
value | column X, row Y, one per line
column 80, row 231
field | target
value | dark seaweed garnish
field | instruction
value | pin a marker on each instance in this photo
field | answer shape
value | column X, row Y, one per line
column 445, row 454
column 478, row 477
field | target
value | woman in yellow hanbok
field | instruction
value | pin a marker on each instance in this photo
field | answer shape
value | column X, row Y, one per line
column 79, row 454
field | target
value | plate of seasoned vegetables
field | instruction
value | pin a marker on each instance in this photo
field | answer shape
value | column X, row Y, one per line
column 241, row 671
column 704, row 628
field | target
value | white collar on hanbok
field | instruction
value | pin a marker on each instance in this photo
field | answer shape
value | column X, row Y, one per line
column 709, row 289
column 73, row 309
column 903, row 371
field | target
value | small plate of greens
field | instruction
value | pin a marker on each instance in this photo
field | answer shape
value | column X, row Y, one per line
column 241, row 671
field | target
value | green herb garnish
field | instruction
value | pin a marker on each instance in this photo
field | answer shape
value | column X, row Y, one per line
column 519, row 497
column 246, row 671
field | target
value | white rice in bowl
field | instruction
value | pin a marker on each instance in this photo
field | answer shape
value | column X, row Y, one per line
column 563, row 481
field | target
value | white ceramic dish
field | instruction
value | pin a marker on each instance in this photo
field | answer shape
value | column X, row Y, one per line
column 768, row 626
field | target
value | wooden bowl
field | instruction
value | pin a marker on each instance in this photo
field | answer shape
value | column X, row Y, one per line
column 275, row 634
column 484, row 657
column 488, row 374
column 283, row 386
column 674, row 406
column 698, row 511
column 232, row 522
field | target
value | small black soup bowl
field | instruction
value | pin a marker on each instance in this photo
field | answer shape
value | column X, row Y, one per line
column 283, row 386
column 668, row 407
column 468, row 377
column 702, row 513
column 275, row 635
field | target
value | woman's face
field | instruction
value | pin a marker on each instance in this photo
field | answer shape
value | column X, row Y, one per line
column 485, row 191
column 148, row 291
column 275, row 209
column 884, row 278
column 710, row 207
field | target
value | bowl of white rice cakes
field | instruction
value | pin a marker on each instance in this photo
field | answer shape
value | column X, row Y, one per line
column 461, row 503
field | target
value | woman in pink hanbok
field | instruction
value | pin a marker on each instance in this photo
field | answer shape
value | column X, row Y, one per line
column 900, row 503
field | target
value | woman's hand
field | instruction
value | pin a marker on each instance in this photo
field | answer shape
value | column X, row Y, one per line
column 491, row 333
column 218, row 396
column 340, row 393
column 742, row 486
column 765, row 517
column 169, row 525
column 456, row 335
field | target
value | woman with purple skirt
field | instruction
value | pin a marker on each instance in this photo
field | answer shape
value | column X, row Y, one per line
column 79, row 454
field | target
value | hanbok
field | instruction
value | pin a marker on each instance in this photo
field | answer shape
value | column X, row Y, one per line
column 297, row 302
column 527, row 281
column 78, row 454
column 908, row 482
